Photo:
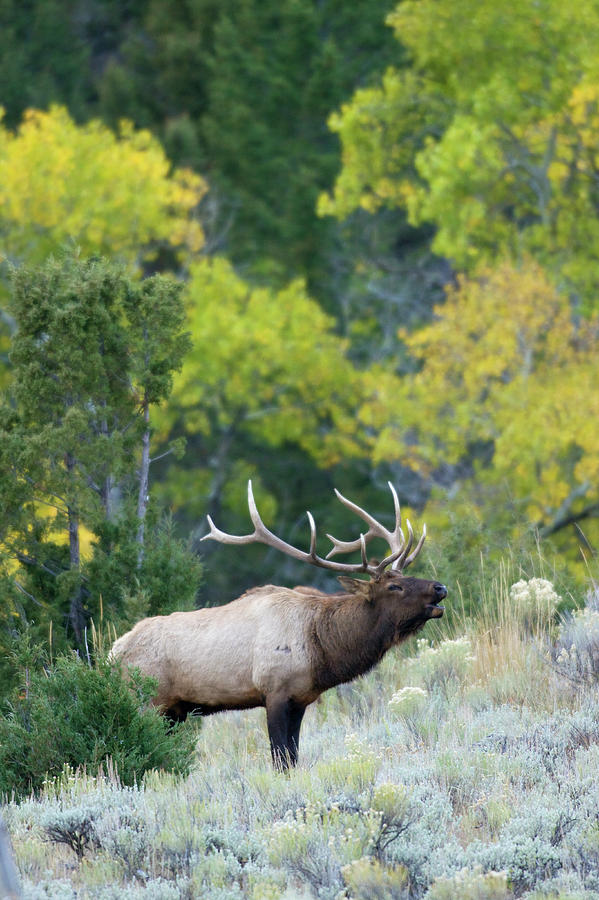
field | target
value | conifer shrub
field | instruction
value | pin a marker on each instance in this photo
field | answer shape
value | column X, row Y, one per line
column 70, row 714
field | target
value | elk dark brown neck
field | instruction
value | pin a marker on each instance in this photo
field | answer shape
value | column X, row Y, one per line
column 350, row 637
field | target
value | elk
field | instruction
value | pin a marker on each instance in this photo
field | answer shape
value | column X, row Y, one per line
column 280, row 648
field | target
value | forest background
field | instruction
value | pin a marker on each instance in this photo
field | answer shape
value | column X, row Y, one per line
column 314, row 244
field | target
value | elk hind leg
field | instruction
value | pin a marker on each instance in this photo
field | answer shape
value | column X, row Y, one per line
column 178, row 712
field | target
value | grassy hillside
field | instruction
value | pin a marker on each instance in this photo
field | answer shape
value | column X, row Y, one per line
column 462, row 768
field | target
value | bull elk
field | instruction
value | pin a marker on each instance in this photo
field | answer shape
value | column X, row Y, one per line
column 280, row 648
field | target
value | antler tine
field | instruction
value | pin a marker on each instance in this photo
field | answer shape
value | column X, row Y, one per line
column 217, row 535
column 259, row 528
column 347, row 546
column 375, row 526
column 395, row 539
column 312, row 533
column 399, row 562
column 416, row 550
column 363, row 552
column 254, row 514
column 397, row 509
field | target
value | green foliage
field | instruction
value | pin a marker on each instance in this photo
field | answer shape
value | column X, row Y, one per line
column 69, row 714
column 267, row 362
column 94, row 353
column 481, row 138
column 212, row 80
column 167, row 579
column 493, row 404
column 489, row 134
column 300, row 58
column 240, row 90
column 42, row 59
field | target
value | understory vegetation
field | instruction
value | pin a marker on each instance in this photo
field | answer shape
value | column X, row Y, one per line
column 463, row 766
column 66, row 713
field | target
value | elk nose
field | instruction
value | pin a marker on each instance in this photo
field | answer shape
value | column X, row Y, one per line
column 440, row 590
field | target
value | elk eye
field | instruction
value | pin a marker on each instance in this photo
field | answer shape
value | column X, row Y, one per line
column 395, row 587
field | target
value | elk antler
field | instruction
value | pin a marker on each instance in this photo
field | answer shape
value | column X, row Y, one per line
column 400, row 550
column 398, row 557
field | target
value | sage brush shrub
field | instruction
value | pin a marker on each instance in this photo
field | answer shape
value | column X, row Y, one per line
column 73, row 826
column 576, row 651
column 71, row 714
column 470, row 885
column 430, row 796
column 368, row 879
column 316, row 841
column 534, row 603
column 439, row 668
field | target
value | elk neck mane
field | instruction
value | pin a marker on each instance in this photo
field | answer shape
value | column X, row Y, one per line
column 351, row 635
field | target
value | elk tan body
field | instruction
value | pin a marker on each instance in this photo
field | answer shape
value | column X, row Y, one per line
column 227, row 657
column 277, row 647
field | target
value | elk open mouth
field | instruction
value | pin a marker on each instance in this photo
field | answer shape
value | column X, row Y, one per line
column 434, row 609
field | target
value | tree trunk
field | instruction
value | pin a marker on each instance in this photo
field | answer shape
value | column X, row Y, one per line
column 106, row 487
column 144, row 478
column 77, row 616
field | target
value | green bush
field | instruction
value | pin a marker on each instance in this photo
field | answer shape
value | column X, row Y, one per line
column 68, row 713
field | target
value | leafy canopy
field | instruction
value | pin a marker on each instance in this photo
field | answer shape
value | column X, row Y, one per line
column 113, row 194
column 490, row 133
column 506, row 395
column 93, row 354
column 268, row 362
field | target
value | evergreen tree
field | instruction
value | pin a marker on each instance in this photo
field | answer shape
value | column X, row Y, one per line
column 277, row 69
column 93, row 352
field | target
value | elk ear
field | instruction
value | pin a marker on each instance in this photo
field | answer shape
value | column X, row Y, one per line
column 355, row 586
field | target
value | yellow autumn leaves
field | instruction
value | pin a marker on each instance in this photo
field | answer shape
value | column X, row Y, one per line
column 111, row 194
column 506, row 387
column 509, row 381
column 264, row 361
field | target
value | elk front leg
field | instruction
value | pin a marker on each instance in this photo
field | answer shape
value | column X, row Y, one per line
column 296, row 714
column 283, row 718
